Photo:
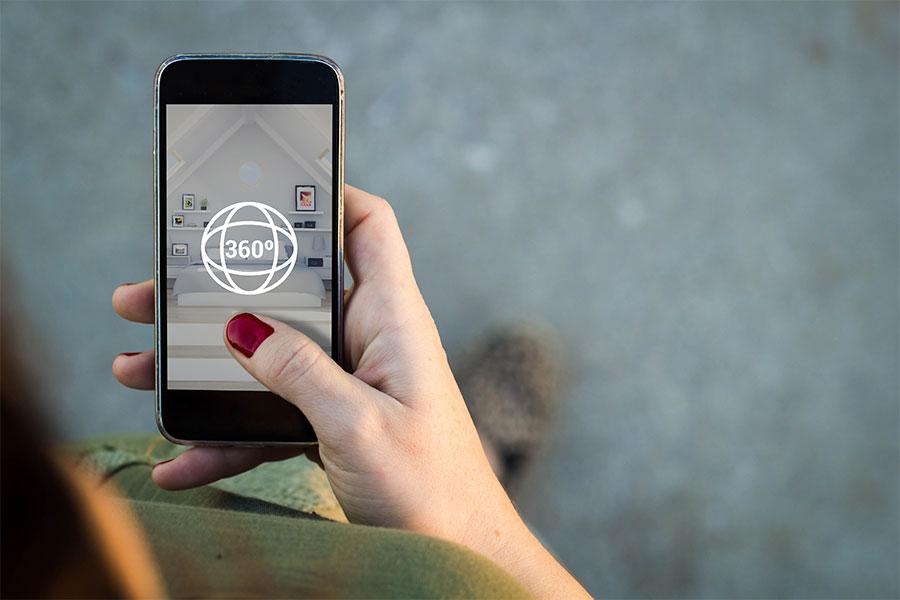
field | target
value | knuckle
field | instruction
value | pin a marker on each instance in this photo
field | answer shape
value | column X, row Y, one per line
column 383, row 208
column 293, row 361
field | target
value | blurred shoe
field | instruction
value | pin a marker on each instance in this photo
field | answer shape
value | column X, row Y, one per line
column 512, row 383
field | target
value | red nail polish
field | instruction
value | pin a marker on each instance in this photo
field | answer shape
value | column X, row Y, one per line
column 130, row 353
column 245, row 332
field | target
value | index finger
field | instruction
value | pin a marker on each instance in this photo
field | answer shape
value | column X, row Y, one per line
column 374, row 244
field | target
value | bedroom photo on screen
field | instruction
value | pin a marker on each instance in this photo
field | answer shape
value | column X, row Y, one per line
column 257, row 176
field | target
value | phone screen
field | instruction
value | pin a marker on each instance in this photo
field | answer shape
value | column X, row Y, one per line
column 249, row 229
column 248, row 196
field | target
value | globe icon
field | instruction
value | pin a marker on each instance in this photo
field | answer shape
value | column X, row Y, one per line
column 248, row 238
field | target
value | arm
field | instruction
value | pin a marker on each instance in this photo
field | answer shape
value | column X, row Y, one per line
column 395, row 437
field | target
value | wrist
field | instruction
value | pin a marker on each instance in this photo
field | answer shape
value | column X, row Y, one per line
column 502, row 536
column 495, row 528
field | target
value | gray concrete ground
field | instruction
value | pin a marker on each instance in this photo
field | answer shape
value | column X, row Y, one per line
column 702, row 198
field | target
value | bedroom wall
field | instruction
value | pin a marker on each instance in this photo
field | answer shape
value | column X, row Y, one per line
column 218, row 180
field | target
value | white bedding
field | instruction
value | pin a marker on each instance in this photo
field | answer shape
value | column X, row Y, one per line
column 303, row 288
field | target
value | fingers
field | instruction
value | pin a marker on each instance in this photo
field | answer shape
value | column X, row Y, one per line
column 203, row 465
column 297, row 369
column 135, row 369
column 135, row 302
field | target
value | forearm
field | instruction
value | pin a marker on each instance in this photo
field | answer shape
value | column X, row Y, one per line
column 530, row 563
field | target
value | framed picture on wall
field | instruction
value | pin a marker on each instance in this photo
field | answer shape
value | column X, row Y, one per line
column 177, row 220
column 187, row 202
column 305, row 198
column 180, row 249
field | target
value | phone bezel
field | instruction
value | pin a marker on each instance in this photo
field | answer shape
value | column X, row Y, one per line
column 208, row 417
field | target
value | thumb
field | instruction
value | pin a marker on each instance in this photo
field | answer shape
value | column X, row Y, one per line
column 297, row 369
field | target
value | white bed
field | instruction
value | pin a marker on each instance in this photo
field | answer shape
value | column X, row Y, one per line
column 303, row 288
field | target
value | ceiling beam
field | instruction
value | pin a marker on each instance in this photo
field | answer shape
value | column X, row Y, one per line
column 187, row 125
column 311, row 169
column 196, row 164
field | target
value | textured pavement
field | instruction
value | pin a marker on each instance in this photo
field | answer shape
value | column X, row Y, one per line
column 702, row 198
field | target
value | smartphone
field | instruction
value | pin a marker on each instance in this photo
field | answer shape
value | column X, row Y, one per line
column 249, row 178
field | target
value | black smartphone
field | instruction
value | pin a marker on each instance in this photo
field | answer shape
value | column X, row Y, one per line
column 246, row 148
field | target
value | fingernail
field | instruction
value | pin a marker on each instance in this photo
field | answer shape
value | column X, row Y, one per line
column 245, row 332
column 162, row 462
column 130, row 283
column 129, row 353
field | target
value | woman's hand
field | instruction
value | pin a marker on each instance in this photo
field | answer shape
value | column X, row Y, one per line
column 395, row 437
